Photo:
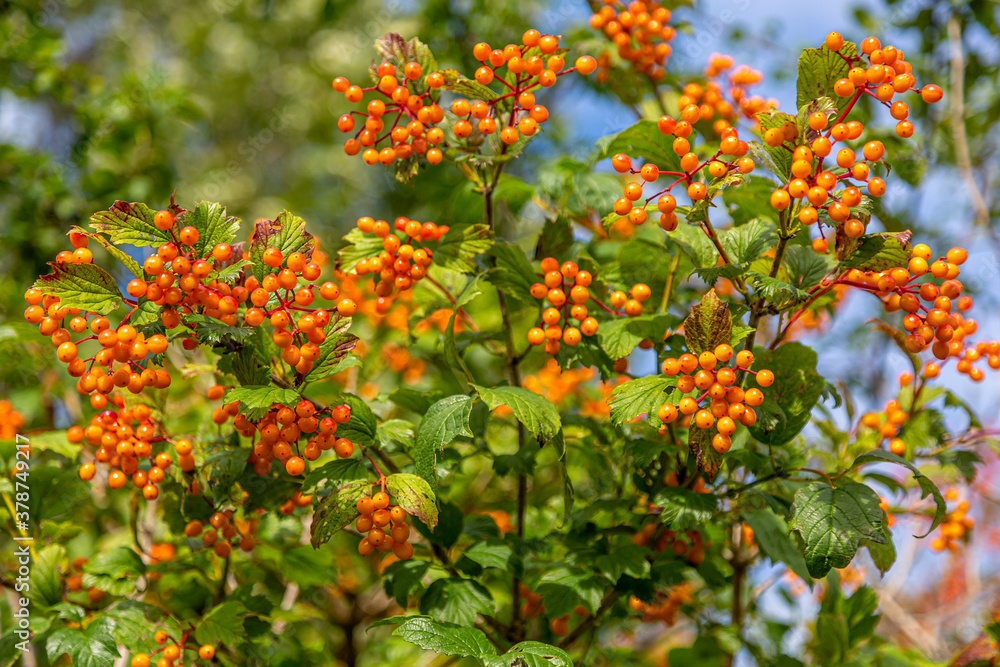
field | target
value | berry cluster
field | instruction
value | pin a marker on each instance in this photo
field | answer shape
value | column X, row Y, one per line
column 730, row 146
column 407, row 102
column 11, row 421
column 564, row 287
column 224, row 533
column 376, row 517
column 537, row 63
column 400, row 265
column 726, row 404
column 124, row 440
column 278, row 433
column 412, row 105
column 666, row 605
column 888, row 423
column 812, row 186
column 954, row 529
column 640, row 31
column 173, row 653
column 721, row 105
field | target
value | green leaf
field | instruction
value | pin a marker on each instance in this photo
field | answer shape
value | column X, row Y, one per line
column 819, row 70
column 445, row 420
column 94, row 646
column 213, row 226
column 564, row 588
column 338, row 470
column 334, row 352
column 45, row 586
column 806, row 267
column 536, row 412
column 211, row 331
column 832, row 522
column 114, row 571
column 458, row 247
column 771, row 534
column 743, row 245
column 445, row 638
column 230, row 273
column 84, row 286
column 774, row 291
column 287, row 233
column 513, row 273
column 362, row 428
column 877, row 252
column 531, row 654
column 414, row 495
column 54, row 441
column 709, row 324
column 796, row 389
column 778, row 159
column 621, row 335
column 750, row 199
column 129, row 223
column 245, row 366
column 641, row 396
column 256, row 400
column 336, row 511
column 358, row 246
column 456, row 600
column 626, row 559
column 642, row 140
column 700, row 445
column 684, row 509
column 555, row 239
column 405, row 578
column 462, row 85
column 927, row 487
column 392, row 48
column 133, row 266
column 223, row 625
column 492, row 552
column 693, row 243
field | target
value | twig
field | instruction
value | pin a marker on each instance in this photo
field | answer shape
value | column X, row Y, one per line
column 958, row 132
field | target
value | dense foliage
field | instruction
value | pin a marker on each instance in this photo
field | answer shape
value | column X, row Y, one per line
column 579, row 403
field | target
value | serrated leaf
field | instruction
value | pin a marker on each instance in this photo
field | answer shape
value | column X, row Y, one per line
column 414, row 495
column 750, row 199
column 213, row 226
column 460, row 84
column 806, row 267
column 338, row 470
column 84, row 286
column 641, row 396
column 362, row 427
column 493, row 552
column 531, row 654
column 458, row 247
column 230, row 273
column 796, row 389
column 693, row 242
column 513, row 273
column 684, row 509
column 114, row 571
column 133, row 266
column 832, row 522
column 620, row 336
column 93, row 646
column 445, row 638
column 877, row 252
column 245, row 366
column 256, row 400
column 45, row 586
column 778, row 159
column 287, row 233
column 456, row 600
column 129, row 223
column 700, row 445
column 444, row 421
column 564, row 588
column 223, row 625
column 536, row 412
column 335, row 352
column 211, row 331
column 358, row 246
column 927, row 487
column 774, row 291
column 642, row 140
column 709, row 324
column 336, row 511
column 819, row 70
